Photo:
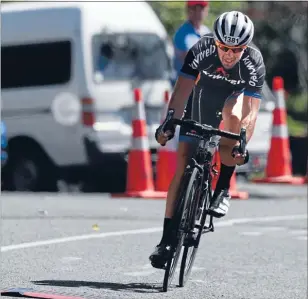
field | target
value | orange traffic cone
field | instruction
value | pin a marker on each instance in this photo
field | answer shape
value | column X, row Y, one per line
column 278, row 168
column 166, row 161
column 234, row 193
column 139, row 172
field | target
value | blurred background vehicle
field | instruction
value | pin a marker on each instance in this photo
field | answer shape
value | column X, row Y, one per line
column 68, row 72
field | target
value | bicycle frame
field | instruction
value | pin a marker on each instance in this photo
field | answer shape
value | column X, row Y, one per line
column 202, row 159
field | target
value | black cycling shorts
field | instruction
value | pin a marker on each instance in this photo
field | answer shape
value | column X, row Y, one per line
column 204, row 105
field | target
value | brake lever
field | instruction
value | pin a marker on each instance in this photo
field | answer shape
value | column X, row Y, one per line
column 170, row 114
column 169, row 119
column 241, row 149
column 243, row 141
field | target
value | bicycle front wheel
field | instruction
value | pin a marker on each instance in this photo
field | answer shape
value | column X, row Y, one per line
column 191, row 248
column 182, row 207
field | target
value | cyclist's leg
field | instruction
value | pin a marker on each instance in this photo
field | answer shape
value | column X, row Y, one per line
column 182, row 160
column 211, row 101
column 232, row 116
column 186, row 147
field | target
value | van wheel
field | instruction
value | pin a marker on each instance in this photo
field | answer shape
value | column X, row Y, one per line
column 30, row 172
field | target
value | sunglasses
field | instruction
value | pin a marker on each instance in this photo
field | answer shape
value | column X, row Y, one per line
column 233, row 49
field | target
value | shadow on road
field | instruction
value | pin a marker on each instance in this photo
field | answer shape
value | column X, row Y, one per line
column 135, row 287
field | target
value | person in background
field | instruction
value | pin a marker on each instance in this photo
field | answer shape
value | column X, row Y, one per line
column 187, row 35
column 3, row 144
column 190, row 31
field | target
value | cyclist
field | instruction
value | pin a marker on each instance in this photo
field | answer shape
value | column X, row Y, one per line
column 226, row 75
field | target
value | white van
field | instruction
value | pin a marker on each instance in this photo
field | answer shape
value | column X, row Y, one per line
column 68, row 70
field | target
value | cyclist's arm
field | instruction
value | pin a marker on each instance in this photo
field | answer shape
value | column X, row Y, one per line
column 181, row 92
column 251, row 106
column 184, row 85
column 252, row 98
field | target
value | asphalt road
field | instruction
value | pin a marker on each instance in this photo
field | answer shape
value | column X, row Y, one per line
column 94, row 246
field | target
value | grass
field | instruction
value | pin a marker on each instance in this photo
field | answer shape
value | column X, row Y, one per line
column 296, row 128
column 297, row 104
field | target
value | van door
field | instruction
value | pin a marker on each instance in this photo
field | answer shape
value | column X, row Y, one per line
column 40, row 100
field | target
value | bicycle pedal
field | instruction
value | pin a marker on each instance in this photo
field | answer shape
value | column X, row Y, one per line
column 207, row 229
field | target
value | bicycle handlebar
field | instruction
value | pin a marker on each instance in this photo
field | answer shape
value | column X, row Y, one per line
column 206, row 129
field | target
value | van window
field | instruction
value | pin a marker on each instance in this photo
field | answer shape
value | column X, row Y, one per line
column 131, row 55
column 40, row 64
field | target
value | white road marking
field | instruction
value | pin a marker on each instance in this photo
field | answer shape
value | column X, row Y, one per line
column 79, row 238
column 144, row 231
column 262, row 230
column 147, row 270
column 261, row 219
column 199, row 281
column 251, row 233
column 140, row 273
column 70, row 259
column 298, row 232
column 195, row 268
column 271, row 228
column 146, row 267
column 303, row 238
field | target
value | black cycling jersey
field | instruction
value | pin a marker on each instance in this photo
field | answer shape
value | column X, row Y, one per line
column 247, row 75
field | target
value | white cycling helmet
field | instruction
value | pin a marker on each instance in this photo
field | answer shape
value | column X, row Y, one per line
column 233, row 29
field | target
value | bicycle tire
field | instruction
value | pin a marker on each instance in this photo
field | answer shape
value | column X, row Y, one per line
column 177, row 243
column 185, row 271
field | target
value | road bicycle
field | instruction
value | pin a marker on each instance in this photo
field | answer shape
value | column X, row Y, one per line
column 190, row 219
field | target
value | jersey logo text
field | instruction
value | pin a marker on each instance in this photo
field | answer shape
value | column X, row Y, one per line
column 220, row 77
column 252, row 71
column 201, row 56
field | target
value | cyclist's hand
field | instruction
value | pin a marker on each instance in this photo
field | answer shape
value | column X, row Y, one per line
column 166, row 130
column 239, row 157
column 163, row 137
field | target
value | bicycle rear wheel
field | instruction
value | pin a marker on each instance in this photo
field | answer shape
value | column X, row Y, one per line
column 178, row 223
column 190, row 249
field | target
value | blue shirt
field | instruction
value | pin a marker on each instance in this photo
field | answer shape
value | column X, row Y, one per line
column 3, row 143
column 185, row 37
